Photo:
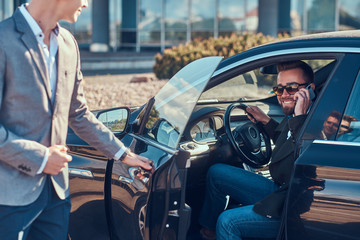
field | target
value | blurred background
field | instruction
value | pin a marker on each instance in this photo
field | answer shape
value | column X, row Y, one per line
column 143, row 25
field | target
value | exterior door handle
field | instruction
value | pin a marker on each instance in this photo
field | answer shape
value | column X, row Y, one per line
column 80, row 173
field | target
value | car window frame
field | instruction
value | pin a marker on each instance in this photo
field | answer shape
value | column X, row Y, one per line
column 316, row 118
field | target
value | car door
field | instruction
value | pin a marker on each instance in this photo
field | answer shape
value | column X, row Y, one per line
column 87, row 172
column 324, row 197
column 154, row 207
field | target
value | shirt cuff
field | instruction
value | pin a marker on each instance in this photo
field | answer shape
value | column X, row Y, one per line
column 45, row 159
column 120, row 153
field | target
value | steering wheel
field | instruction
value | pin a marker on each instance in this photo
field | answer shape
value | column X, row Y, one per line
column 250, row 141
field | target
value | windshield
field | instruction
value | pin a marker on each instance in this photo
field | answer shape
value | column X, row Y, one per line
column 175, row 102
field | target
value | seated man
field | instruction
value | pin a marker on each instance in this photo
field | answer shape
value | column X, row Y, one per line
column 262, row 199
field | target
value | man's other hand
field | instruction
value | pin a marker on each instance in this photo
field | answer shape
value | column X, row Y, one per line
column 258, row 114
column 57, row 159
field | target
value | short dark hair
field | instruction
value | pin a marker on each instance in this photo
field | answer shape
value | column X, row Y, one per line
column 335, row 114
column 308, row 73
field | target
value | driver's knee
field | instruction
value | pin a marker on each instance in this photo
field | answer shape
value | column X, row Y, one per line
column 223, row 171
column 218, row 175
column 226, row 228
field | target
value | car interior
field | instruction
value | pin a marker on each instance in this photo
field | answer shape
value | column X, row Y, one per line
column 205, row 135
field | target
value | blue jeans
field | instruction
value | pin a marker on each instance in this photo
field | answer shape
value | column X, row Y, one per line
column 246, row 188
column 46, row 218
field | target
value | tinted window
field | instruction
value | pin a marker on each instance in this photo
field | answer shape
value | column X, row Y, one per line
column 349, row 128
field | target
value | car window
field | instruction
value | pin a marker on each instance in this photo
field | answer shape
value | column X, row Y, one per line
column 252, row 85
column 349, row 126
column 248, row 86
column 174, row 103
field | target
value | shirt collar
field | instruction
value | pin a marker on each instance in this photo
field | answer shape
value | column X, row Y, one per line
column 33, row 24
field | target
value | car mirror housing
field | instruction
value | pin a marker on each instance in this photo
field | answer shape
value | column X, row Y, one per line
column 116, row 119
column 270, row 69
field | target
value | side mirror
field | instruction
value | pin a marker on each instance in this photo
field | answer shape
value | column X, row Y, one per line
column 116, row 119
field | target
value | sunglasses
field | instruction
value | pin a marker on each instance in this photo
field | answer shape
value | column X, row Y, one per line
column 291, row 88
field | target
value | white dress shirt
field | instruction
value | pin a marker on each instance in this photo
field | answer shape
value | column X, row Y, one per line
column 49, row 57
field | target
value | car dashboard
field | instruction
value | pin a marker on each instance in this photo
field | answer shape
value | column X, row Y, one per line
column 206, row 126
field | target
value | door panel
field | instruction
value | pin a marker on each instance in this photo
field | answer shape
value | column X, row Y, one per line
column 324, row 198
column 149, row 208
column 87, row 174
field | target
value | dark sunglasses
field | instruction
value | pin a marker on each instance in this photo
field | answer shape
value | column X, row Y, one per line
column 291, row 88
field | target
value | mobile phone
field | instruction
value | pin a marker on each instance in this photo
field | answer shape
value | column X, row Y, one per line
column 311, row 92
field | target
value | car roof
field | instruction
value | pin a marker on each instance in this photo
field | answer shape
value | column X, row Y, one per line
column 328, row 35
column 333, row 41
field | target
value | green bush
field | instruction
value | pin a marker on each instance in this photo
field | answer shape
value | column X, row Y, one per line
column 173, row 59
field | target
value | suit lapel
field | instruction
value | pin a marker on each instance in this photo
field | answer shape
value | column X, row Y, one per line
column 32, row 45
column 285, row 149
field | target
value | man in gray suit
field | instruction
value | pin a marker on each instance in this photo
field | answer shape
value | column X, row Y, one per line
column 41, row 95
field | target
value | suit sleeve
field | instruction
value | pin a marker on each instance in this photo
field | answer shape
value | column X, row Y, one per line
column 23, row 154
column 85, row 124
column 270, row 129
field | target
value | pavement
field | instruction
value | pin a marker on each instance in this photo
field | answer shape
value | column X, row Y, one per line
column 124, row 62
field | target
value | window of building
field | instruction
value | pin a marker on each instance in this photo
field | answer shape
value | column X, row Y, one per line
column 297, row 16
column 231, row 16
column 251, row 15
column 321, row 15
column 309, row 16
column 203, row 18
column 150, row 22
column 115, row 24
column 129, row 22
column 349, row 14
column 176, row 22
column 6, row 9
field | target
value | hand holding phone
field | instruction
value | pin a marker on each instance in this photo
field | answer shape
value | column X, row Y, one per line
column 311, row 92
column 302, row 105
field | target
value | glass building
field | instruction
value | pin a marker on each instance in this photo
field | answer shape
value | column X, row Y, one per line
column 140, row 25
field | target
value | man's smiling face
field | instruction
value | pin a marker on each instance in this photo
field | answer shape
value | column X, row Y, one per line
column 286, row 77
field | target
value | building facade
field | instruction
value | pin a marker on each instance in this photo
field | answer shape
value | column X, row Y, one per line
column 141, row 25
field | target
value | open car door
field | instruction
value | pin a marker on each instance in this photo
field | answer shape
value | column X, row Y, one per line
column 154, row 207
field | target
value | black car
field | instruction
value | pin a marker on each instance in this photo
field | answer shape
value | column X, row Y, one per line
column 189, row 126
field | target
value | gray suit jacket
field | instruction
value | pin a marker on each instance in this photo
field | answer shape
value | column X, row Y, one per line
column 30, row 122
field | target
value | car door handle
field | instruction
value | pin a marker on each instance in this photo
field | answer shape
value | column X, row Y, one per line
column 80, row 173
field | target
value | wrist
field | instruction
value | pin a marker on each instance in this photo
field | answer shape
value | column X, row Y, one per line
column 123, row 156
column 266, row 121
